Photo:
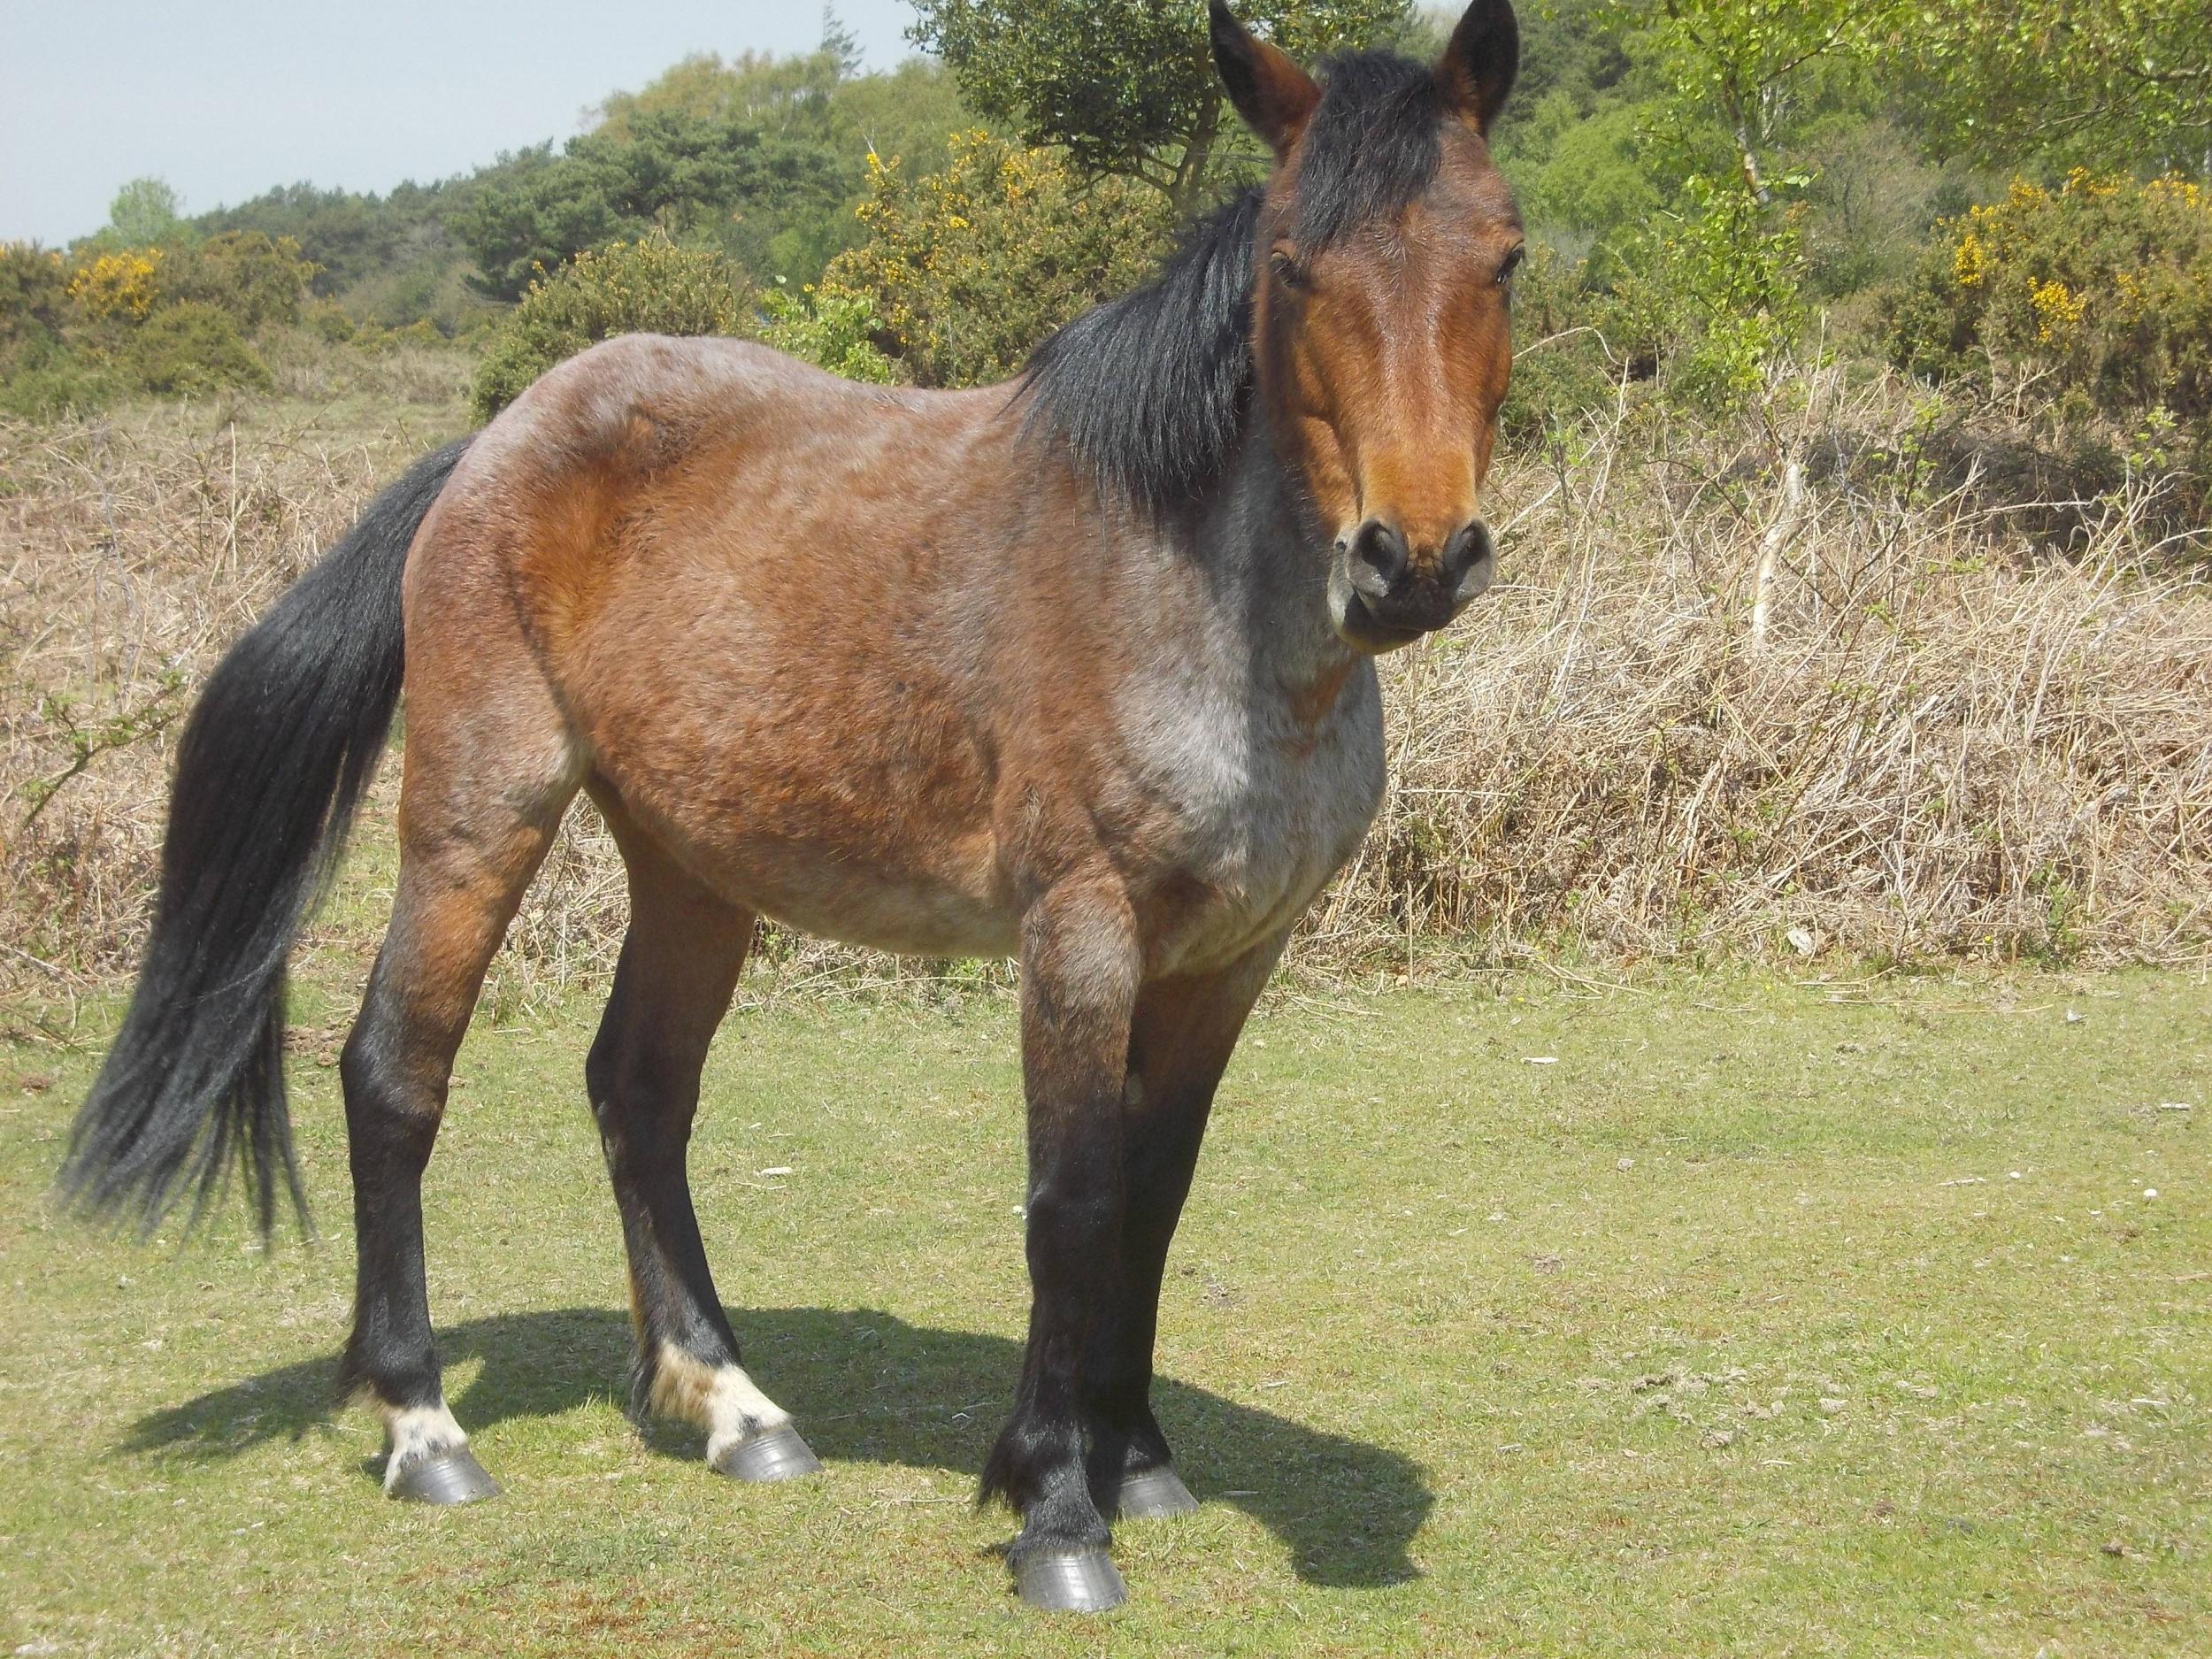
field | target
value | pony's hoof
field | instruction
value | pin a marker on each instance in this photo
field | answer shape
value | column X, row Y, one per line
column 1059, row 1582
column 453, row 1477
column 1153, row 1491
column 776, row 1454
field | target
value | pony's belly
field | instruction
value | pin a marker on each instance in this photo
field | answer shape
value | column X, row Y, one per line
column 881, row 912
column 880, row 882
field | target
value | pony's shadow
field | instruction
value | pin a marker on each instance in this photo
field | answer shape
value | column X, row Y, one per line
column 867, row 1386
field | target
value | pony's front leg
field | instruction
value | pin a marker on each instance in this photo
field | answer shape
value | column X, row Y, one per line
column 1079, row 975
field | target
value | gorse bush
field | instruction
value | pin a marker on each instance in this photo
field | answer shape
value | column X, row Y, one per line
column 2087, row 312
column 119, row 287
column 40, row 375
column 625, row 288
column 253, row 279
column 2103, row 286
column 968, row 268
column 191, row 347
column 34, row 293
column 175, row 319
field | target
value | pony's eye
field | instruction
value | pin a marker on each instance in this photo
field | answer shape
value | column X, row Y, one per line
column 1284, row 262
column 1512, row 264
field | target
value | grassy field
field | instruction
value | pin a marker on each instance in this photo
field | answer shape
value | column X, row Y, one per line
column 1715, row 1316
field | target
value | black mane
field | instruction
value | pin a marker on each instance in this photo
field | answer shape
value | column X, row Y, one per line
column 1149, row 390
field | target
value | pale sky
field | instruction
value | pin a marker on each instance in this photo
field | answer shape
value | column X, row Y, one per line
column 225, row 100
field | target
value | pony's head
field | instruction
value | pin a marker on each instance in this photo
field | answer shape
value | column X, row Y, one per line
column 1386, row 242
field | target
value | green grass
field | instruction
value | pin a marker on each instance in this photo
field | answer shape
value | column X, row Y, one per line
column 1730, row 1332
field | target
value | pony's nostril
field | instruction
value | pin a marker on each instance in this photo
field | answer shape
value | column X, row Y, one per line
column 1379, row 558
column 1469, row 560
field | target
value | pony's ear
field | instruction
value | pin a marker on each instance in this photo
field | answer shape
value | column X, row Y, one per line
column 1478, row 64
column 1272, row 93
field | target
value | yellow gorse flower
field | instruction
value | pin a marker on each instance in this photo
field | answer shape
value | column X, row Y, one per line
column 125, row 284
column 1967, row 261
column 2058, row 312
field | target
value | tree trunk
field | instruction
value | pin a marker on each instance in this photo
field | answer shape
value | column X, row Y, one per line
column 1750, row 161
column 1189, row 186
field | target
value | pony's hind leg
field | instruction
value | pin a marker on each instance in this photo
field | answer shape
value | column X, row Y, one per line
column 488, row 775
column 450, row 914
column 678, row 967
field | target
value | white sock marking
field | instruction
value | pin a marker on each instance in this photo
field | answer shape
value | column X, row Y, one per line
column 416, row 1435
column 720, row 1399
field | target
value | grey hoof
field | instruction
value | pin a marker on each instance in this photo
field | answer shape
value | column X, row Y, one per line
column 1153, row 1491
column 1063, row 1583
column 453, row 1477
column 776, row 1454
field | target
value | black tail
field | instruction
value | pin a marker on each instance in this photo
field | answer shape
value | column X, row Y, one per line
column 270, row 769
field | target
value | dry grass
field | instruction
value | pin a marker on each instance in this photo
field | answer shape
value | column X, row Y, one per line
column 1720, row 710
column 1715, row 710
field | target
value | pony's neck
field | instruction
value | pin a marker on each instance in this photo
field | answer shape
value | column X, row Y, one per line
column 1267, row 554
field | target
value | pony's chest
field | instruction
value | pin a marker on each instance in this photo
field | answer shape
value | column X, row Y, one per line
column 1255, row 807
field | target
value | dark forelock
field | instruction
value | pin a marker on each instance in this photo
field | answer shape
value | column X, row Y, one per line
column 1371, row 148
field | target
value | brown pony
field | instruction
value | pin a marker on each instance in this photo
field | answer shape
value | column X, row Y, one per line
column 1079, row 669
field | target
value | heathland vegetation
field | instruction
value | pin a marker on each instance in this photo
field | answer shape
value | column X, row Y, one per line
column 1854, row 495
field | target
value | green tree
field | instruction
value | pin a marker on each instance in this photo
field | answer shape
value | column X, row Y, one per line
column 782, row 95
column 1127, row 87
column 1712, row 285
column 2124, row 83
column 1717, row 294
column 1745, row 65
column 1597, row 178
column 711, row 180
column 144, row 213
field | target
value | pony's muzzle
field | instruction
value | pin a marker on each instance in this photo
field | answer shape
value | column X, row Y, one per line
column 1390, row 591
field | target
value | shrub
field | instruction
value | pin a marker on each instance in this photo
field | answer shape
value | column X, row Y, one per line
column 191, row 347
column 625, row 288
column 969, row 268
column 34, row 293
column 1562, row 365
column 119, row 287
column 43, row 377
column 2103, row 286
column 836, row 331
column 257, row 279
column 1715, row 297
